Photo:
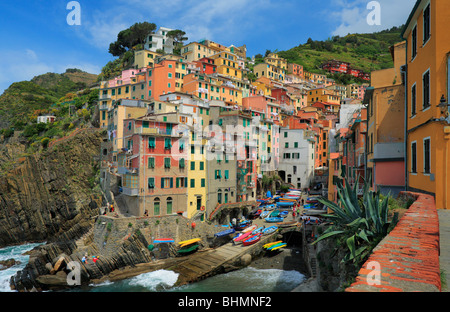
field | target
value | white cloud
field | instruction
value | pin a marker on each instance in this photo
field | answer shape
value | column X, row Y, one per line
column 352, row 15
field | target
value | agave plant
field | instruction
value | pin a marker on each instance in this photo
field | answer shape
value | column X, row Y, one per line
column 361, row 223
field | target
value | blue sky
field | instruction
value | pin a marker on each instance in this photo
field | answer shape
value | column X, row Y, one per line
column 37, row 39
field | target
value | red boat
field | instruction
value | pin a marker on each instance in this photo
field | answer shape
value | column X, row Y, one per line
column 251, row 240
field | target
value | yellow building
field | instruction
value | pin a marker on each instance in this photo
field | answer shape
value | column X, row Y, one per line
column 428, row 92
column 197, row 195
column 275, row 60
column 269, row 71
column 323, row 95
column 144, row 58
column 227, row 64
column 130, row 85
column 195, row 51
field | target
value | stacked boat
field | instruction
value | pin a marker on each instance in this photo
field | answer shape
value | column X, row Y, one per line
column 188, row 246
column 274, row 246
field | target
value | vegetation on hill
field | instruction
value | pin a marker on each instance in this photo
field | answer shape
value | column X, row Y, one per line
column 368, row 52
column 65, row 96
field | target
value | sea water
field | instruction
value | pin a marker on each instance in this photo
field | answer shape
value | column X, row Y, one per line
column 16, row 253
column 248, row 279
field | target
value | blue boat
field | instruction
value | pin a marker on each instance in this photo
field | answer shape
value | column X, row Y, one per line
column 285, row 204
column 284, row 213
column 275, row 213
column 274, row 219
column 258, row 230
column 269, row 230
column 225, row 233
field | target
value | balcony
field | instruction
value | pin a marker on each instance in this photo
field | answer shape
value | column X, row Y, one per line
column 155, row 131
column 130, row 191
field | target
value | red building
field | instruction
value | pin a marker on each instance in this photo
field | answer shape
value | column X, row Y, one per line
column 334, row 66
column 206, row 65
column 153, row 167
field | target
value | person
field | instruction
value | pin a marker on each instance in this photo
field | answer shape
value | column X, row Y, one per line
column 94, row 259
column 293, row 214
column 83, row 260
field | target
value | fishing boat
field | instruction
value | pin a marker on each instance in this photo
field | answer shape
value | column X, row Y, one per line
column 269, row 230
column 189, row 242
column 251, row 240
column 275, row 213
column 259, row 230
column 269, row 207
column 264, row 214
column 271, row 244
column 225, row 233
column 188, row 249
column 163, row 240
column 287, row 224
column 274, row 219
column 287, row 199
column 285, row 204
column 241, row 237
column 277, row 246
column 250, row 228
column 243, row 225
column 284, row 213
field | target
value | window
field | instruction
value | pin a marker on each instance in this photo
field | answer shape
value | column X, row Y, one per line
column 202, row 165
column 413, row 100
column 192, row 183
column 181, row 163
column 169, row 205
column 166, row 183
column 414, row 43
column 167, row 143
column 181, row 182
column 218, row 174
column 192, row 165
column 426, row 24
column 151, row 143
column 166, row 162
column 426, row 89
column 226, row 174
column 151, row 162
column 151, row 183
column 414, row 157
column 285, row 134
column 426, row 156
column 156, row 206
column 203, row 182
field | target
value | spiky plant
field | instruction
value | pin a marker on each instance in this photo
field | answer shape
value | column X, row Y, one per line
column 362, row 224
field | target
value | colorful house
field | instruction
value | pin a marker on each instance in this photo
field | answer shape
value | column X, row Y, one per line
column 153, row 168
column 386, row 120
column 428, row 93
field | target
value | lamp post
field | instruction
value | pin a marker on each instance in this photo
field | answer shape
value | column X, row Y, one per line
column 443, row 106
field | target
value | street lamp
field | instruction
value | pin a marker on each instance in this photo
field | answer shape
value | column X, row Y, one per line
column 443, row 106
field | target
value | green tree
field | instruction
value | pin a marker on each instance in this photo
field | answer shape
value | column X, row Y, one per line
column 178, row 37
column 130, row 37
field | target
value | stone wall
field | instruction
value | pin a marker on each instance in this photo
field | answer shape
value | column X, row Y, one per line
column 408, row 258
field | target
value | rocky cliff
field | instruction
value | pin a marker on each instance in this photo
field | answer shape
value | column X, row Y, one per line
column 47, row 194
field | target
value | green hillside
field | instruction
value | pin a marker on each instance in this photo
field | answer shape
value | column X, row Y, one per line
column 20, row 103
column 364, row 51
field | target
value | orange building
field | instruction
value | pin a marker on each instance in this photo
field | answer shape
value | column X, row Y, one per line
column 428, row 92
column 161, row 79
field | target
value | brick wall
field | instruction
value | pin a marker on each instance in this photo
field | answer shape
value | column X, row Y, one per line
column 407, row 259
